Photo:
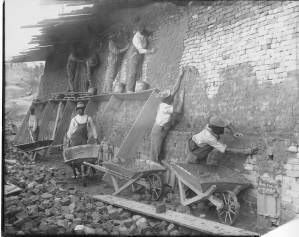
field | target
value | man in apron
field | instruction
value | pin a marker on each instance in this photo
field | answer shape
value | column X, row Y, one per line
column 78, row 131
column 206, row 145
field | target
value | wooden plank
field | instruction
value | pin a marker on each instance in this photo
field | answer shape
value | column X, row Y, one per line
column 189, row 221
column 22, row 131
column 59, row 111
column 144, row 121
column 44, row 133
column 127, row 184
column 64, row 122
column 186, row 178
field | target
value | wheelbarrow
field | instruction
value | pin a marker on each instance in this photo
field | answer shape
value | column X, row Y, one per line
column 219, row 185
column 75, row 157
column 147, row 174
column 30, row 149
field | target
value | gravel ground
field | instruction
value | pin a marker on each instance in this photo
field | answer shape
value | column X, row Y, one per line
column 51, row 202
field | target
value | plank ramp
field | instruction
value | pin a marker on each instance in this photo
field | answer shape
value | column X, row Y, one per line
column 143, row 122
column 189, row 221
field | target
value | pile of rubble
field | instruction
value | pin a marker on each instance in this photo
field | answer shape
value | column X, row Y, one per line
column 48, row 205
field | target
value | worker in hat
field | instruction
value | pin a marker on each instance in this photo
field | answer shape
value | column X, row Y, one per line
column 206, row 144
column 78, row 132
column 169, row 112
column 33, row 125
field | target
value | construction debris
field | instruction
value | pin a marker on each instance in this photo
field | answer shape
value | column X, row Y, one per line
column 46, row 205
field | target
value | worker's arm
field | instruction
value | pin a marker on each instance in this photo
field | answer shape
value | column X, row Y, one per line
column 34, row 124
column 178, row 82
column 72, row 128
column 88, row 70
column 93, row 128
column 245, row 151
column 68, row 65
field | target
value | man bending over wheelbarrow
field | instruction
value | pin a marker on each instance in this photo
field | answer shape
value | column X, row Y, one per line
column 78, row 131
column 206, row 144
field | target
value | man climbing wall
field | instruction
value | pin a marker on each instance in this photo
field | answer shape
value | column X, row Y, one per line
column 169, row 113
column 136, row 52
column 113, row 60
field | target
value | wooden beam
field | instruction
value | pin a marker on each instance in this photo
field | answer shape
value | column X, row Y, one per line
column 59, row 111
column 189, row 221
column 64, row 122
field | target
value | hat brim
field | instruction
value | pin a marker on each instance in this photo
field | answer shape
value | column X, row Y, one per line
column 80, row 107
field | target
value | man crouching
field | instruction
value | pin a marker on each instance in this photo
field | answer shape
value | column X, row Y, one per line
column 207, row 144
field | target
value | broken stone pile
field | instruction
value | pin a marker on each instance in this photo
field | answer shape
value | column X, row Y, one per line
column 47, row 205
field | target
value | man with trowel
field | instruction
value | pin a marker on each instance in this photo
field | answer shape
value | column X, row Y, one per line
column 206, row 145
column 33, row 126
column 78, row 131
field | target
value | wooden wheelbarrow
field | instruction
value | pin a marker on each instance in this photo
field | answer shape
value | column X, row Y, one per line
column 147, row 175
column 219, row 185
column 76, row 156
column 30, row 149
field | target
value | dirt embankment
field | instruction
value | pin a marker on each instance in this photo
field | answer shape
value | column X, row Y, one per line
column 21, row 86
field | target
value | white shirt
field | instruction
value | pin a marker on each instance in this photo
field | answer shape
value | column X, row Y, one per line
column 207, row 136
column 140, row 43
column 164, row 113
column 82, row 119
column 32, row 123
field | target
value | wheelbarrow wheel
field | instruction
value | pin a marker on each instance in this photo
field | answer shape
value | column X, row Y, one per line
column 156, row 186
column 231, row 207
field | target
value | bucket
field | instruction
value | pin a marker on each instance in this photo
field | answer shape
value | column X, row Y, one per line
column 141, row 86
column 119, row 87
column 92, row 91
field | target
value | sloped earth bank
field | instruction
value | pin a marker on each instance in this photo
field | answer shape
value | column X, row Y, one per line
column 53, row 203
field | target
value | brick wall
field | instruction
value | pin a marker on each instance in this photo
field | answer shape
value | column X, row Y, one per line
column 245, row 56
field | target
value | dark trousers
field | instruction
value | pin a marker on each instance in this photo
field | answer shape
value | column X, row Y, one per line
column 134, row 67
column 158, row 135
column 200, row 154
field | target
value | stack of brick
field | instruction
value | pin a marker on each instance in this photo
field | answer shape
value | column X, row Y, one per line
column 250, row 173
column 290, row 184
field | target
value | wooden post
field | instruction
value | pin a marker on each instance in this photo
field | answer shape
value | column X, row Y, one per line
column 57, row 119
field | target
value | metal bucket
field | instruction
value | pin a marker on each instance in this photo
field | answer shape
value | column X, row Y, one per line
column 141, row 86
column 119, row 87
column 92, row 91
